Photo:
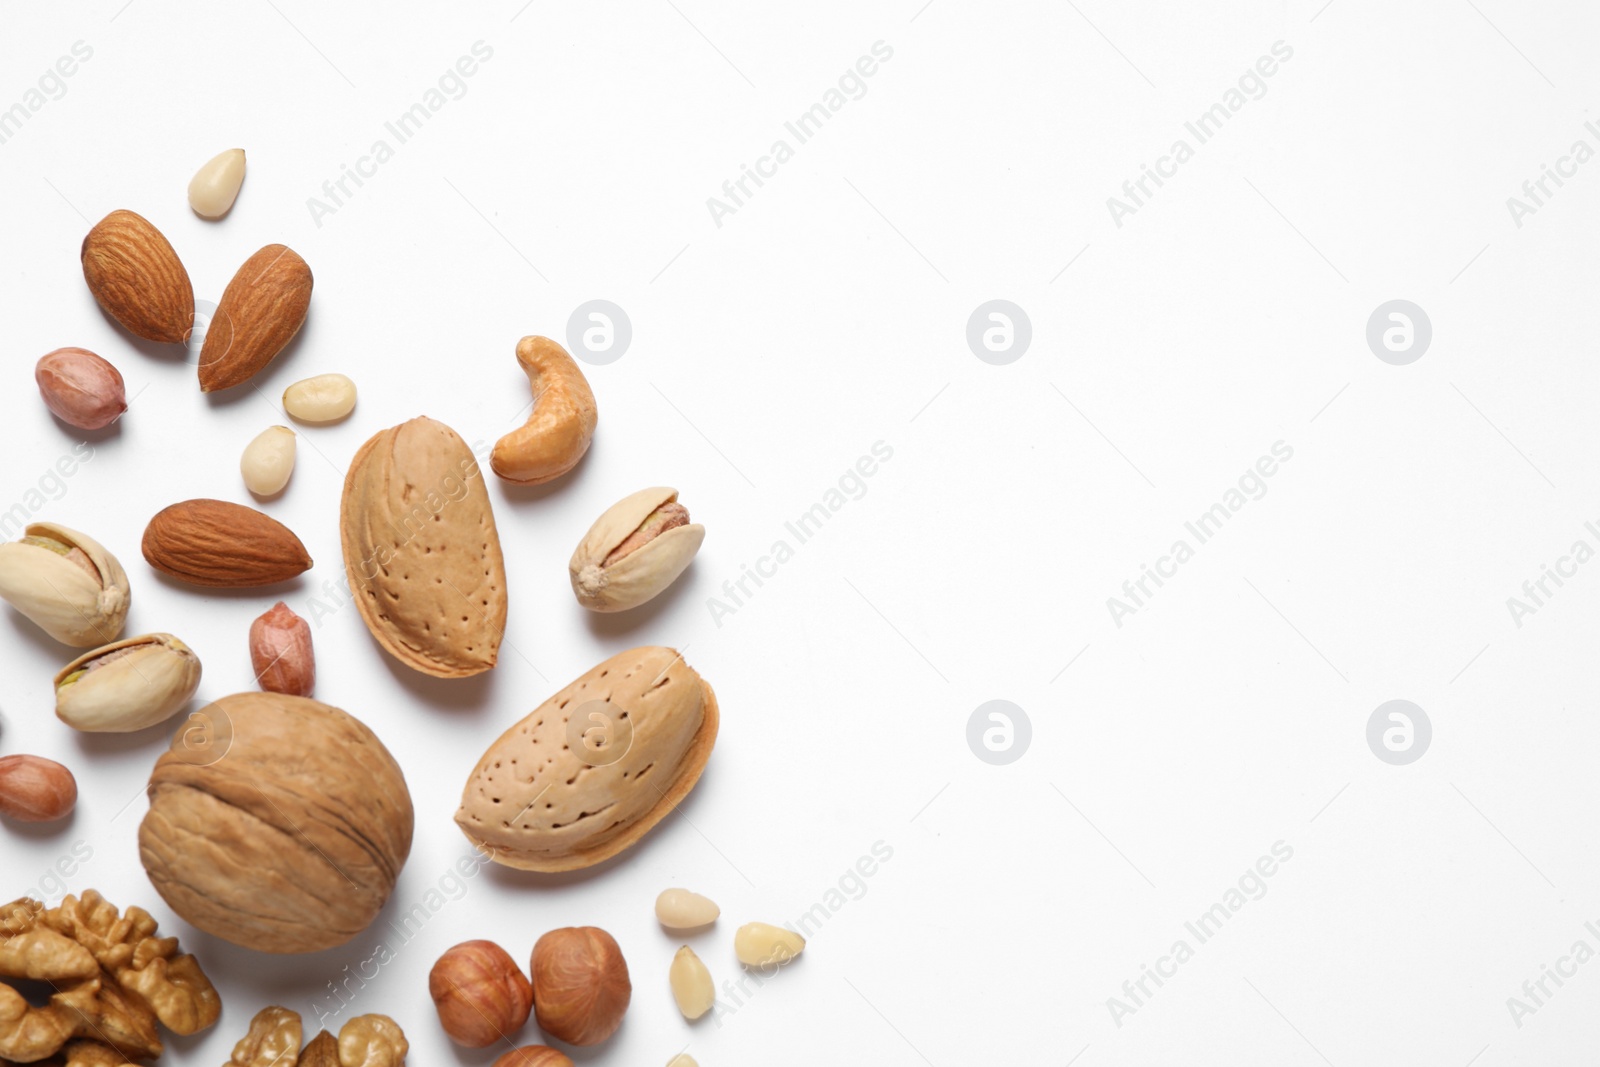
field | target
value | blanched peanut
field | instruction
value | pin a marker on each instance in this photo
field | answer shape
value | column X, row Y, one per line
column 268, row 461
column 325, row 398
column 691, row 982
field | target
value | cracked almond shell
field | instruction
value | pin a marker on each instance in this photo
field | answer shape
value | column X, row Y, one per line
column 284, row 829
column 532, row 803
column 422, row 551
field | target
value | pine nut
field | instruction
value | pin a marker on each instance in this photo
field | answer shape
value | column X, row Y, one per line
column 268, row 461
column 692, row 987
column 325, row 398
column 679, row 909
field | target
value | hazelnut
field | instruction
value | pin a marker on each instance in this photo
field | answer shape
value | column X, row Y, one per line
column 580, row 984
column 533, row 1056
column 481, row 995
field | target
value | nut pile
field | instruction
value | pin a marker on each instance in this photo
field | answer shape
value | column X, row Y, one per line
column 275, row 1034
column 111, row 979
column 282, row 824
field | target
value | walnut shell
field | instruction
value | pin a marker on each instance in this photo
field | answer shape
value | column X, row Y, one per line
column 286, row 833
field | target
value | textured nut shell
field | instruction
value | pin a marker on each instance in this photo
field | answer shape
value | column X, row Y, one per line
column 422, row 552
column 581, row 987
column 216, row 543
column 137, row 690
column 137, row 278
column 585, row 814
column 293, row 840
column 559, row 430
column 80, row 388
column 641, row 574
column 61, row 597
column 260, row 312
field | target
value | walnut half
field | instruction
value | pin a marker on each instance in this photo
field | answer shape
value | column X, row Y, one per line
column 112, row 980
column 274, row 1041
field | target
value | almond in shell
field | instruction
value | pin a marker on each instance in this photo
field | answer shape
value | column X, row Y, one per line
column 260, row 312
column 422, row 552
column 595, row 767
column 216, row 543
column 137, row 278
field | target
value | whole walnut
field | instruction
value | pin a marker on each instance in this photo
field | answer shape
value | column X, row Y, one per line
column 276, row 823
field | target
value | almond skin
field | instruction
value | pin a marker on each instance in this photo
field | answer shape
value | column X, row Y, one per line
column 260, row 312
column 138, row 279
column 215, row 543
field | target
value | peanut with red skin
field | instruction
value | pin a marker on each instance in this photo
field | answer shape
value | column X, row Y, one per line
column 35, row 789
column 281, row 653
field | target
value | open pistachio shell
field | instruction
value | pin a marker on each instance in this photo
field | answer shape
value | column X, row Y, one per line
column 66, row 583
column 127, row 685
column 642, row 573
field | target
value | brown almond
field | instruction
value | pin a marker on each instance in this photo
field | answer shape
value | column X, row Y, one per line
column 422, row 551
column 138, row 279
column 260, row 312
column 213, row 542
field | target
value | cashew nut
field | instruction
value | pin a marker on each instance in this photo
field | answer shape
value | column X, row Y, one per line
column 559, row 430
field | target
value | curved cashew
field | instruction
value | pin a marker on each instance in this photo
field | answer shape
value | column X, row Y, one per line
column 559, row 430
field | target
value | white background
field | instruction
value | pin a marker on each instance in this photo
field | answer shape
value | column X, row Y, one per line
column 828, row 313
